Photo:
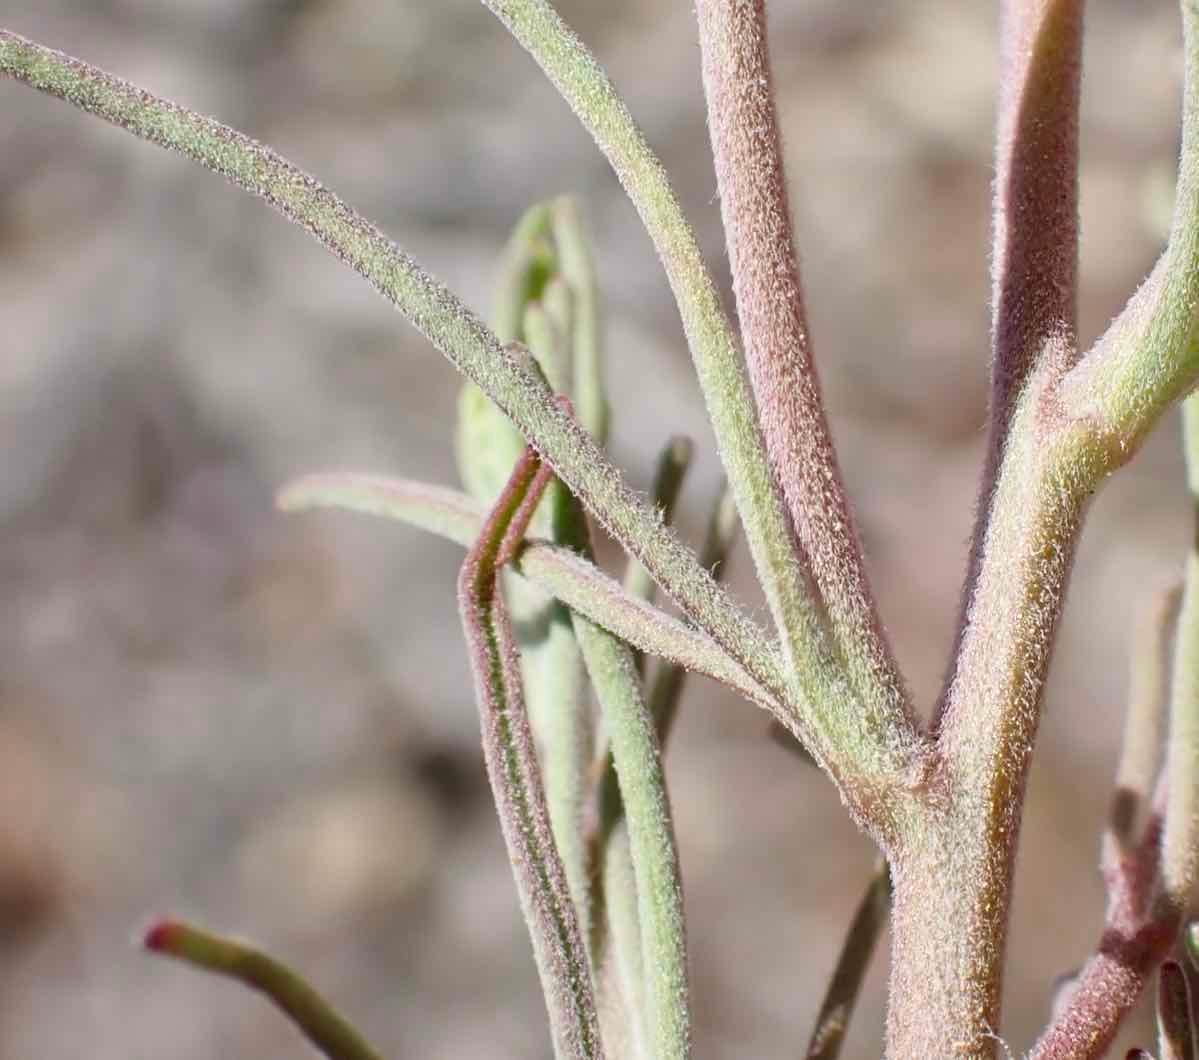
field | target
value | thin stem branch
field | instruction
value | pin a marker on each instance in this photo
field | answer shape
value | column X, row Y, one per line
column 560, row 571
column 515, row 774
column 1180, row 841
column 836, row 1009
column 757, row 223
column 1035, row 231
column 848, row 748
column 1150, row 876
column 638, row 762
column 663, row 700
column 666, row 686
column 501, row 372
column 1149, row 356
column 312, row 1014
column 1138, row 931
column 1035, row 260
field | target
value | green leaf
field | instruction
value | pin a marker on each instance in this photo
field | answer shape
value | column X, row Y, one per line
column 501, row 372
column 559, row 571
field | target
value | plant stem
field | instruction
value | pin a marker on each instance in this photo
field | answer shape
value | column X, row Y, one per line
column 1149, row 357
column 1035, row 229
column 953, row 879
column 559, row 571
column 1180, row 841
column 757, row 223
column 953, row 872
column 647, row 816
column 836, row 1009
column 1144, row 718
column 515, row 774
column 673, row 462
column 818, row 687
column 316, row 1019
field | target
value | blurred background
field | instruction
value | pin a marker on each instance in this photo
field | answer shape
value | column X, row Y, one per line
column 264, row 722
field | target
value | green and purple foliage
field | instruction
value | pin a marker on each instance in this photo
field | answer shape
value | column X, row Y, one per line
column 583, row 799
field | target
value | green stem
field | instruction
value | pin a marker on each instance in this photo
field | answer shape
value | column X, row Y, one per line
column 561, row 572
column 638, row 762
column 316, row 1019
column 673, row 462
column 581, row 81
column 1149, row 357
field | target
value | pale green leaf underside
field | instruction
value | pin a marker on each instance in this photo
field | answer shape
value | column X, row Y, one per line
column 579, row 584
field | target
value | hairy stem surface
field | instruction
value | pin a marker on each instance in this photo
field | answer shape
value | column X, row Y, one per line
column 757, row 223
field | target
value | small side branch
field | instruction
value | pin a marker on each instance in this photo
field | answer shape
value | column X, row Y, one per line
column 1138, row 932
column 315, row 1017
column 846, row 984
column 749, row 171
column 559, row 571
column 1180, row 843
column 1035, row 231
column 1141, row 921
column 822, row 700
column 1149, row 356
column 1036, row 197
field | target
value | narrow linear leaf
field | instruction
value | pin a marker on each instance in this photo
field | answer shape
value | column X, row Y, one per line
column 609, row 844
column 647, row 815
column 846, row 984
column 499, row 371
column 512, row 766
column 637, row 761
column 581, row 81
column 623, row 948
column 562, row 722
column 315, row 1017
column 559, row 571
